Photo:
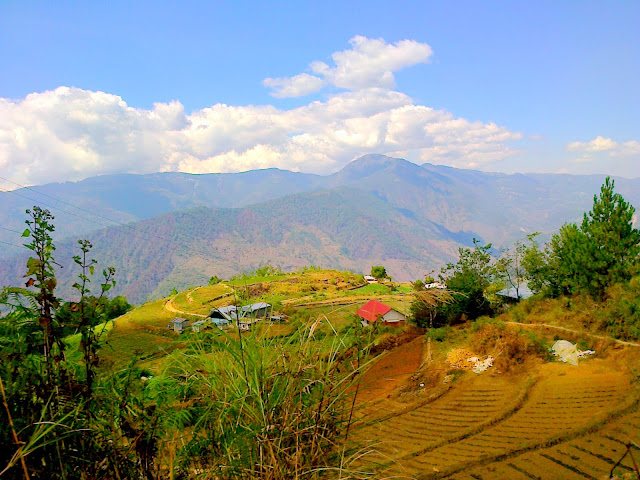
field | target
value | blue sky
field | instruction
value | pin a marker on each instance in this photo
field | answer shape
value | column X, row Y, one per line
column 515, row 86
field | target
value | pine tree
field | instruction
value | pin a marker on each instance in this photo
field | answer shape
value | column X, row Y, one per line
column 602, row 251
column 614, row 244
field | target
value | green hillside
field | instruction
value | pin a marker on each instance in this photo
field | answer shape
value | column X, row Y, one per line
column 340, row 228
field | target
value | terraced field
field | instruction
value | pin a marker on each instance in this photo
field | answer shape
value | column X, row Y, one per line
column 459, row 411
column 591, row 456
column 571, row 423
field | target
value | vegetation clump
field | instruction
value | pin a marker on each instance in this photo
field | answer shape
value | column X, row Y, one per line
column 226, row 405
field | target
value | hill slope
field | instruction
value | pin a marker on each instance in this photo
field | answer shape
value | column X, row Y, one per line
column 497, row 207
column 376, row 210
column 341, row 228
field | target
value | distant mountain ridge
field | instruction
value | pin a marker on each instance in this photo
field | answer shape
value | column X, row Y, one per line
column 445, row 195
column 377, row 209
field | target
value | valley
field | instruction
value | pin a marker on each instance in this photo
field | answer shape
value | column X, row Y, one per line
column 420, row 418
column 178, row 230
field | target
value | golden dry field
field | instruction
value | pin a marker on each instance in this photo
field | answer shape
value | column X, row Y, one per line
column 418, row 417
column 550, row 421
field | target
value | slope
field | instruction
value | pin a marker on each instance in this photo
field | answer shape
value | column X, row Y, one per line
column 340, row 228
column 496, row 207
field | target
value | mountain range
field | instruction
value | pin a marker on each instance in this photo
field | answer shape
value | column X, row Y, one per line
column 174, row 230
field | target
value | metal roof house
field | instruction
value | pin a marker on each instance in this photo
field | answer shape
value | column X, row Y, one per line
column 228, row 313
column 244, row 316
column 198, row 326
column 374, row 311
column 256, row 310
column 179, row 324
column 220, row 322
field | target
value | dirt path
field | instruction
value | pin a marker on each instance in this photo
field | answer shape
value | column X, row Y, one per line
column 564, row 329
column 345, row 300
column 189, row 297
column 171, row 307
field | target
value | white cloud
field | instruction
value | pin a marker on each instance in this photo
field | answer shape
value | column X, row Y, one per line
column 369, row 63
column 71, row 134
column 606, row 145
column 297, row 86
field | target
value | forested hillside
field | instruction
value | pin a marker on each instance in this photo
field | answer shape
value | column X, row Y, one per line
column 342, row 228
column 377, row 210
column 496, row 206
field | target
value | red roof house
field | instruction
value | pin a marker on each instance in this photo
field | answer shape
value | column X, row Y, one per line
column 374, row 311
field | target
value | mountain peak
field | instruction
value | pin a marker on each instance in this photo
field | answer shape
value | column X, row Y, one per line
column 370, row 164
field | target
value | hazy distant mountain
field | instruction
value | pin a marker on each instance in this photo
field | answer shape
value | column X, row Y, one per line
column 490, row 204
column 341, row 228
column 377, row 209
column 128, row 198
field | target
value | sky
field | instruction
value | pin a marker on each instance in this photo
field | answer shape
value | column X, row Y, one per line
column 90, row 88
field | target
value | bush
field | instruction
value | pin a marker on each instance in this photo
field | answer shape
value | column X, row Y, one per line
column 510, row 348
column 620, row 316
column 438, row 334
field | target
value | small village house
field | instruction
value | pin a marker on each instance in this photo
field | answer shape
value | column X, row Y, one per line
column 180, row 324
column 374, row 311
column 198, row 326
column 370, row 279
column 244, row 316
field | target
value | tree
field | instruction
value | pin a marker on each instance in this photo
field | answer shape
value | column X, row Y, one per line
column 535, row 263
column 589, row 258
column 378, row 271
column 425, row 305
column 468, row 279
column 510, row 266
column 614, row 245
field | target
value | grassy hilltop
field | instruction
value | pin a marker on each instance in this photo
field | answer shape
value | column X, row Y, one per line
column 466, row 388
column 419, row 416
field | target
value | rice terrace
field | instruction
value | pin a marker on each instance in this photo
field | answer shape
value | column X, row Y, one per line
column 319, row 240
column 419, row 417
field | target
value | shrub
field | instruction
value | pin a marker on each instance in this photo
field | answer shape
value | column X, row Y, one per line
column 438, row 334
column 620, row 315
column 510, row 348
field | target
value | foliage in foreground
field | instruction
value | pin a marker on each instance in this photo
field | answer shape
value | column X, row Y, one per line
column 258, row 408
column 229, row 406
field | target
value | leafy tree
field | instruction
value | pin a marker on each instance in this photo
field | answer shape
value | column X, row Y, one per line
column 535, row 262
column 588, row 258
column 214, row 280
column 378, row 271
column 510, row 266
column 107, row 309
column 468, row 279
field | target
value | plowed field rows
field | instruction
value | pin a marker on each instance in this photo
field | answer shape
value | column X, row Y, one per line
column 480, row 431
column 590, row 457
column 430, row 424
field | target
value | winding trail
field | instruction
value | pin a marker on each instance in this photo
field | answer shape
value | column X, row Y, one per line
column 171, row 307
column 564, row 329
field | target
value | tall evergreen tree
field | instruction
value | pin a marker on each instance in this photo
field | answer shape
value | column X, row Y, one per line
column 602, row 251
column 614, row 244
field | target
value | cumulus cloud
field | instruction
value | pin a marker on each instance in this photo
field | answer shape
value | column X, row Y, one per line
column 606, row 145
column 70, row 133
column 297, row 86
column 369, row 63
